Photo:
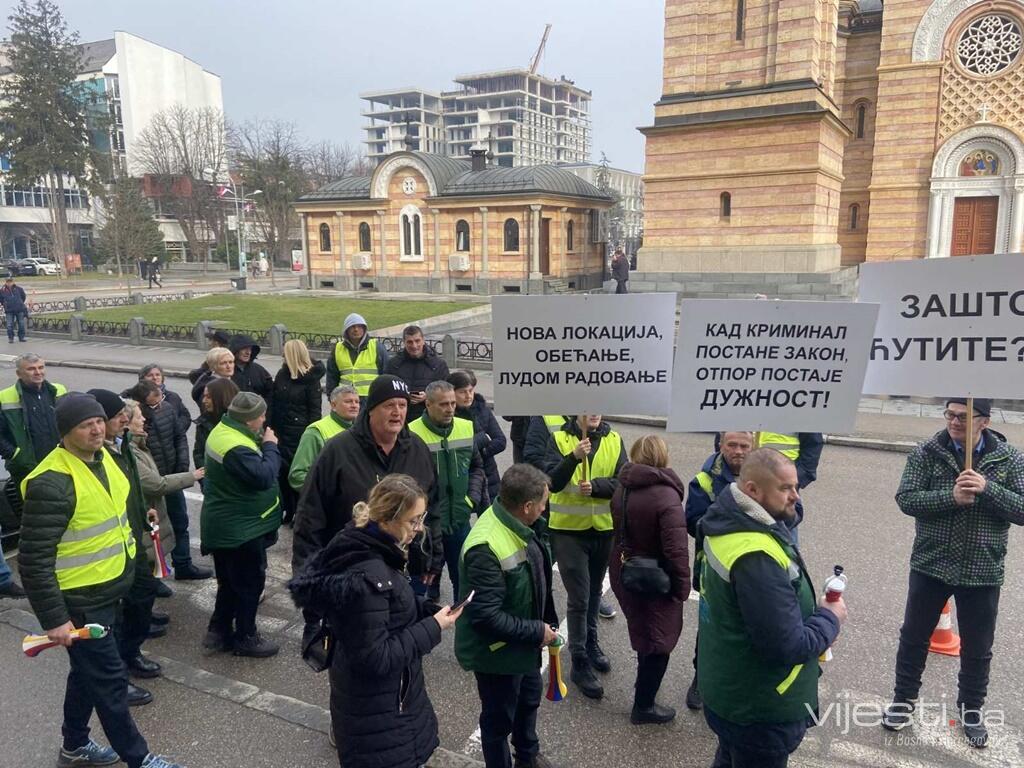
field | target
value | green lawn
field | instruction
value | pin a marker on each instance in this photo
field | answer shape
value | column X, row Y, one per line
column 298, row 313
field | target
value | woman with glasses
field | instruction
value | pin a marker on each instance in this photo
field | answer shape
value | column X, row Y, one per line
column 379, row 706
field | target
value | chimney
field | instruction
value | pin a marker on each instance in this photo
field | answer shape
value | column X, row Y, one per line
column 479, row 158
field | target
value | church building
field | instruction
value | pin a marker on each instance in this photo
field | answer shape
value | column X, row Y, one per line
column 809, row 135
column 425, row 222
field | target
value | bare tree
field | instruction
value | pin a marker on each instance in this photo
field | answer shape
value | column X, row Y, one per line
column 268, row 156
column 326, row 161
column 183, row 151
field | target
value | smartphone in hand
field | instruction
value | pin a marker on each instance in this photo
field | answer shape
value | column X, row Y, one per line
column 467, row 601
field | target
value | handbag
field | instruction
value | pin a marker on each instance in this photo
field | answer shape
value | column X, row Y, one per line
column 318, row 651
column 641, row 575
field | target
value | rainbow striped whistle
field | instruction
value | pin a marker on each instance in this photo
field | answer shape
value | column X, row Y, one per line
column 33, row 645
column 556, row 686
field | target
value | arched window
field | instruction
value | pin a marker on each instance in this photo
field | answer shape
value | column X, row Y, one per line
column 411, row 232
column 364, row 237
column 862, row 117
column 569, row 236
column 854, row 215
column 325, row 239
column 724, row 205
column 511, row 235
column 741, row 13
column 462, row 235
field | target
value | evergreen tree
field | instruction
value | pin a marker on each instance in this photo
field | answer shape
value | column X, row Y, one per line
column 128, row 234
column 48, row 116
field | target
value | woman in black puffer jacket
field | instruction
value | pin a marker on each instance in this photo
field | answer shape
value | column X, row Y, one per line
column 380, row 712
column 297, row 402
column 167, row 439
column 488, row 437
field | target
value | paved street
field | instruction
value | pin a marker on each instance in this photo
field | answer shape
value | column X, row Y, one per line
column 216, row 710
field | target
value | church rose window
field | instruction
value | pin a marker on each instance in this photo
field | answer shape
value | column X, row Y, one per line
column 989, row 45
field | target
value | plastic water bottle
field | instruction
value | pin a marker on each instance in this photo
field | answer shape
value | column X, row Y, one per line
column 835, row 586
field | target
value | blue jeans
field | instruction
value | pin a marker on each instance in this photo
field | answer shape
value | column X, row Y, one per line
column 177, row 511
column 5, row 569
column 16, row 318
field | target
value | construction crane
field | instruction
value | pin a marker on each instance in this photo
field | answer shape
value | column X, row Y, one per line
column 540, row 50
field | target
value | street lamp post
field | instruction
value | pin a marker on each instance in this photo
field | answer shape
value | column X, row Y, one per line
column 239, row 216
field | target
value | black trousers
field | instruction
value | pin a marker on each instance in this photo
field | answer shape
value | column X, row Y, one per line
column 650, row 669
column 620, row 286
column 976, row 609
column 136, row 615
column 509, row 705
column 98, row 681
column 241, row 576
column 735, row 756
column 289, row 496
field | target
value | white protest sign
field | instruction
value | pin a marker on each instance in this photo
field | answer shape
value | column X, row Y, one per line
column 785, row 366
column 599, row 353
column 947, row 327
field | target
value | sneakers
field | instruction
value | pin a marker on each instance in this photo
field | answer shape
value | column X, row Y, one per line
column 256, row 646
column 537, row 761
column 91, row 754
column 607, row 610
column 583, row 677
column 192, row 572
column 693, row 698
column 159, row 761
column 12, row 590
column 974, row 727
column 597, row 657
column 898, row 715
column 654, row 714
column 140, row 666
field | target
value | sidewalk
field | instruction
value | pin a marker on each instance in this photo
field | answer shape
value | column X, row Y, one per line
column 894, row 425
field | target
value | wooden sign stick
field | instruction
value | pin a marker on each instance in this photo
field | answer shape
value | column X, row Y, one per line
column 969, row 447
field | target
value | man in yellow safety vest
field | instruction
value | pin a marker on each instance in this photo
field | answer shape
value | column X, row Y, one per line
column 77, row 553
column 357, row 359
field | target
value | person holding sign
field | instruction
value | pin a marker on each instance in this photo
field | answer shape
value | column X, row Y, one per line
column 963, row 500
column 761, row 632
column 583, row 458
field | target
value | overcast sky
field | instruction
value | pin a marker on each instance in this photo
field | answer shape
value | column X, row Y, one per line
column 307, row 60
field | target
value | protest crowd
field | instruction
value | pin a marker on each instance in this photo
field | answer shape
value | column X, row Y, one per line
column 396, row 489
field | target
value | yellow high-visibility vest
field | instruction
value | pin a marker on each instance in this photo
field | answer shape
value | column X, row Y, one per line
column 360, row 372
column 785, row 443
column 570, row 509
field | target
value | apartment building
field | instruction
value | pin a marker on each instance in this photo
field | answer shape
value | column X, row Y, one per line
column 402, row 119
column 626, row 219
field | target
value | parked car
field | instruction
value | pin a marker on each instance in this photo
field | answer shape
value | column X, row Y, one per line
column 9, row 268
column 35, row 266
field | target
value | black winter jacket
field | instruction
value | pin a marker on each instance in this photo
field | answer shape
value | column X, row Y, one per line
column 349, row 465
column 174, row 400
column 561, row 468
column 417, row 372
column 488, row 439
column 250, row 377
column 50, row 503
column 383, row 717
column 296, row 404
column 167, row 439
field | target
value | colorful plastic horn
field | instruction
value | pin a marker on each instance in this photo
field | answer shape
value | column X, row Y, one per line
column 556, row 686
column 33, row 645
column 160, row 568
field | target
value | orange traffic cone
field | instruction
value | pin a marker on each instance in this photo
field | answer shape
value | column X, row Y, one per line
column 944, row 639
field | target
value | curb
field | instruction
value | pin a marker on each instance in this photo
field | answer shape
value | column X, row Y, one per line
column 846, row 441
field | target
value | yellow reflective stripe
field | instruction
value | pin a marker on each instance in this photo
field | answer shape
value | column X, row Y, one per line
column 214, row 455
column 16, row 452
column 496, row 646
column 706, row 483
column 466, row 442
column 716, row 565
column 782, row 687
column 513, row 561
column 358, row 371
column 579, row 509
column 94, row 530
column 78, row 561
column 11, row 406
column 275, row 505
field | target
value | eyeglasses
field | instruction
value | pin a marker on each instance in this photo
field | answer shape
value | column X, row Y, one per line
column 960, row 417
column 419, row 521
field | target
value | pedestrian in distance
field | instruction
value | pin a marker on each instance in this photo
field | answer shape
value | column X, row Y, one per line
column 620, row 271
column 345, row 404
column 380, row 710
column 647, row 511
column 761, row 632
column 721, row 470
column 461, row 484
column 154, row 272
column 582, row 457
column 217, row 397
column 239, row 520
column 76, row 502
column 962, row 518
column 215, row 338
column 506, row 565
column 357, row 359
column 28, row 425
column 13, row 300
column 168, row 445
column 297, row 403
column 417, row 364
column 136, row 620
column 220, row 364
column 155, row 373
column 487, row 433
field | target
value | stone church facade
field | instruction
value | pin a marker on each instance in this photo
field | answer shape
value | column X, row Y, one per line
column 804, row 136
